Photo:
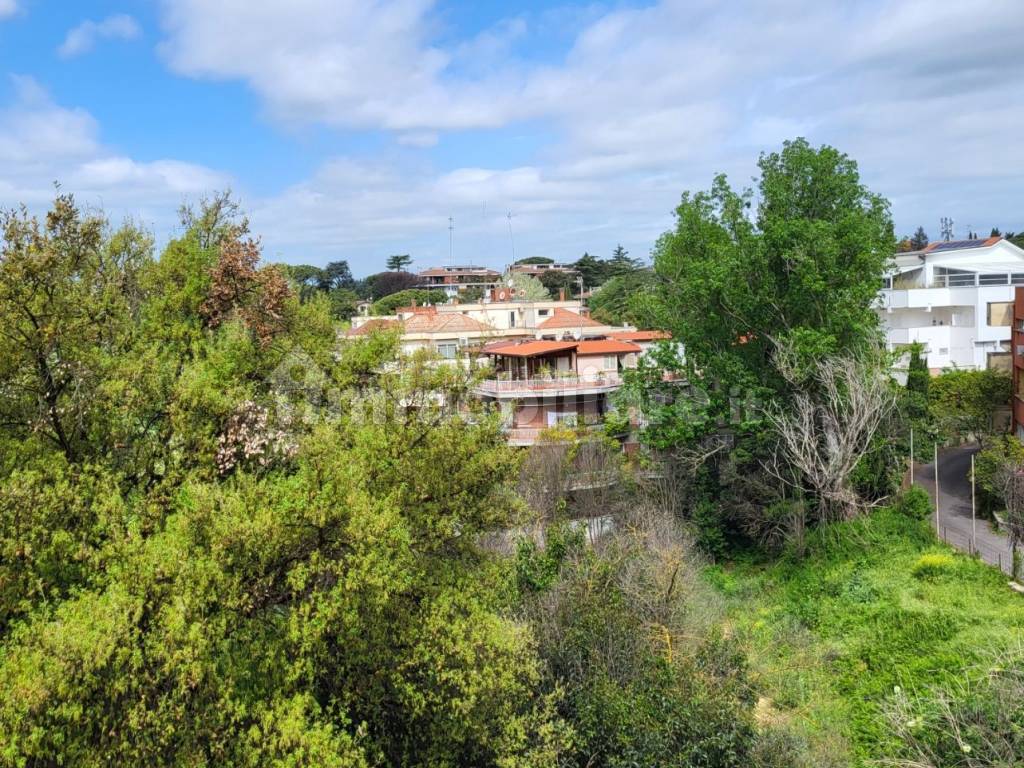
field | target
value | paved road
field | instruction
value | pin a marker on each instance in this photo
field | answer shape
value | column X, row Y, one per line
column 955, row 507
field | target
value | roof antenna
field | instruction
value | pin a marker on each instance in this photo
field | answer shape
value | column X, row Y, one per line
column 511, row 239
column 947, row 228
column 451, row 241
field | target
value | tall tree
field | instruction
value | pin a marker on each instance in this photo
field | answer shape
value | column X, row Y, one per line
column 593, row 270
column 919, row 239
column 336, row 275
column 620, row 263
column 399, row 262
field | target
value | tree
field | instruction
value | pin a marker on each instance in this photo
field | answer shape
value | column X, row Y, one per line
column 527, row 287
column 421, row 296
column 307, row 279
column 399, row 262
column 625, row 299
column 535, row 260
column 69, row 297
column 336, row 275
column 965, row 404
column 555, row 280
column 918, row 379
column 384, row 284
column 592, row 269
column 919, row 240
column 829, row 426
column 620, row 263
column 995, row 232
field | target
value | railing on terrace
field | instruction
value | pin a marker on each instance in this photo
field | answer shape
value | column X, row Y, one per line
column 974, row 279
column 541, row 384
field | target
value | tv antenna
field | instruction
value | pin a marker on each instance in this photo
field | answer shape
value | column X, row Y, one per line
column 451, row 241
column 511, row 239
column 946, row 224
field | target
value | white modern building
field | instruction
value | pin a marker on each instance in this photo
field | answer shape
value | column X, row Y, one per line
column 956, row 299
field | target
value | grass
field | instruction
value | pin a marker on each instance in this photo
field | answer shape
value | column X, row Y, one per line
column 875, row 605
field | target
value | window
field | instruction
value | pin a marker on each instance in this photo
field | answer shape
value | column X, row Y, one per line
column 512, row 319
column 448, row 350
column 943, row 350
column 610, row 363
column 542, row 312
column 1000, row 313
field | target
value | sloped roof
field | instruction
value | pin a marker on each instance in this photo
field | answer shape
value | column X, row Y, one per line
column 564, row 318
column 529, row 348
column 453, row 322
column 606, row 347
column 640, row 335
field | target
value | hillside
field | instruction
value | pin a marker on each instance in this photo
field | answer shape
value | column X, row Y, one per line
column 833, row 636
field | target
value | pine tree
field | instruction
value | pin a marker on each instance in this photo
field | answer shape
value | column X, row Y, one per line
column 919, row 240
column 918, row 379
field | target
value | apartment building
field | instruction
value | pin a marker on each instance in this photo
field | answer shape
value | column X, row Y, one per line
column 456, row 279
column 956, row 299
column 536, row 270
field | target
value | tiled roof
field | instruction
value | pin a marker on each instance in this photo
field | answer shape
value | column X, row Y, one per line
column 443, row 321
column 606, row 347
column 640, row 335
column 370, row 326
column 530, row 348
column 564, row 318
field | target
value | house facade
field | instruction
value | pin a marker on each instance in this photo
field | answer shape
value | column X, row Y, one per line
column 956, row 299
column 454, row 280
column 539, row 384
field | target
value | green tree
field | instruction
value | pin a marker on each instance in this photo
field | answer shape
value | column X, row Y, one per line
column 965, row 404
column 422, row 296
column 626, row 298
column 399, row 262
column 918, row 379
column 336, row 275
column 535, row 260
column 557, row 280
column 919, row 239
column 593, row 270
column 621, row 264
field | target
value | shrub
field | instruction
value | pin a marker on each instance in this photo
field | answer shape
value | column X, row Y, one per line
column 914, row 502
column 932, row 565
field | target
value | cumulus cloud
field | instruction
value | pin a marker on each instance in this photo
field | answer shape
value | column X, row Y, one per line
column 42, row 142
column 84, row 37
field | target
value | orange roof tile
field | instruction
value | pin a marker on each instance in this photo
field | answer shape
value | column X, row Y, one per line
column 606, row 347
column 443, row 321
column 640, row 335
column 564, row 318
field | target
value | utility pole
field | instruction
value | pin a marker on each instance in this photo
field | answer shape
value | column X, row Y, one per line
column 911, row 456
column 451, row 241
column 974, row 519
column 511, row 239
column 936, row 467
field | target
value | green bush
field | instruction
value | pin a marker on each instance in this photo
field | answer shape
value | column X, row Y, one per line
column 914, row 502
column 932, row 565
column 390, row 303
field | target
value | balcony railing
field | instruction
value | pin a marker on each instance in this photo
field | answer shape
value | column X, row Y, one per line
column 974, row 279
column 548, row 384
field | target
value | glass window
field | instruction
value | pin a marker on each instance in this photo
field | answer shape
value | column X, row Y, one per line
column 1000, row 313
column 448, row 350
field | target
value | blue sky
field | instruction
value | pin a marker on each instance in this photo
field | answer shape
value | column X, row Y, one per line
column 354, row 128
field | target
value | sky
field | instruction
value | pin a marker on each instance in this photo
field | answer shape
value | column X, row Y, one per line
column 356, row 129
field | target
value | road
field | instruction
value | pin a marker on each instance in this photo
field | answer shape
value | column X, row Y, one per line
column 955, row 507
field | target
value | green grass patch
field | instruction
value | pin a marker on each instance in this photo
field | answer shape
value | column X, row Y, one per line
column 874, row 605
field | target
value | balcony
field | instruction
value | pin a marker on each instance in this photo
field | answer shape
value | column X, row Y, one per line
column 549, row 386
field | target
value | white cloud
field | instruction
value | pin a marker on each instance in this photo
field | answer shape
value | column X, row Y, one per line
column 84, row 37
column 8, row 8
column 42, row 142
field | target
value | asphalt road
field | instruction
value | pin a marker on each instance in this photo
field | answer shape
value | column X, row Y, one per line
column 954, row 507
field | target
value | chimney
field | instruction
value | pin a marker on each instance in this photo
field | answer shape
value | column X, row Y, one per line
column 561, row 294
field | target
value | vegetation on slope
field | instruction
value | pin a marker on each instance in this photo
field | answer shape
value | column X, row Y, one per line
column 876, row 610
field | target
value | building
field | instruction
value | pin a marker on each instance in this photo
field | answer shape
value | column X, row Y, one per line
column 1017, row 371
column 551, row 362
column 536, row 270
column 454, row 280
column 539, row 384
column 955, row 298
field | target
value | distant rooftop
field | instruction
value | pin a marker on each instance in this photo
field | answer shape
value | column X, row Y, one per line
column 960, row 245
